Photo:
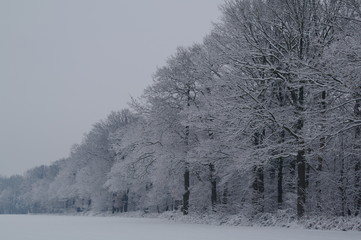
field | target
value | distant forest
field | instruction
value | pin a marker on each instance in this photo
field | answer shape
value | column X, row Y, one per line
column 263, row 116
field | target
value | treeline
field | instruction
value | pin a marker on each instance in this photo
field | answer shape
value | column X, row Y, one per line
column 264, row 115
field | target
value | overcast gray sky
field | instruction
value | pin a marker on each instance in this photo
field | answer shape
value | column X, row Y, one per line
column 65, row 64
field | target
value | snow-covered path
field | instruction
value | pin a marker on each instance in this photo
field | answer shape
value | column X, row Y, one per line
column 45, row 227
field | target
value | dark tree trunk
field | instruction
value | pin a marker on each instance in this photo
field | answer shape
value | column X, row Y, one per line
column 258, row 187
column 213, row 187
column 125, row 201
column 301, row 183
column 258, row 183
column 358, row 187
column 186, row 192
column 280, row 183
column 320, row 158
column 342, row 182
column 301, row 160
column 186, row 170
column 281, row 100
column 357, row 112
column 225, row 194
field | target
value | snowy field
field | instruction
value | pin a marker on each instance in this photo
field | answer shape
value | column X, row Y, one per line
column 44, row 227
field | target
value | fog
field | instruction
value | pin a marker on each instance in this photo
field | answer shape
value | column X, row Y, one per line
column 64, row 65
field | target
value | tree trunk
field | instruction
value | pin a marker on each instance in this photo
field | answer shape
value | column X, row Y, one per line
column 280, row 183
column 213, row 187
column 301, row 183
column 342, row 183
column 186, row 168
column 358, row 187
column 319, row 158
column 280, row 170
column 186, row 191
column 258, row 183
column 357, row 112
column 186, row 174
column 225, row 194
column 125, row 201
column 258, row 187
column 301, row 160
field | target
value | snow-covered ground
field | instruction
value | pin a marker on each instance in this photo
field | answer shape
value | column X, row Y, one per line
column 49, row 227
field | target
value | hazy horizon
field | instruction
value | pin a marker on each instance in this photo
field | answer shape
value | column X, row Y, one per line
column 67, row 64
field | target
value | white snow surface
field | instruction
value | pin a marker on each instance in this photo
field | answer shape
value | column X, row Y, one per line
column 50, row 227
